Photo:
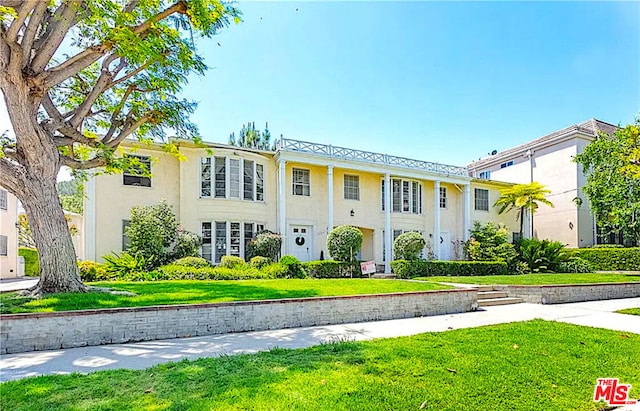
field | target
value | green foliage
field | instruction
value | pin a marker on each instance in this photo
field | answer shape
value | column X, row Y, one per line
column 118, row 266
column 71, row 195
column 275, row 270
column 575, row 265
column 612, row 166
column 176, row 272
column 489, row 242
column 31, row 262
column 542, row 255
column 418, row 268
column 251, row 138
column 408, row 246
column 197, row 262
column 294, row 266
column 344, row 243
column 610, row 259
column 259, row 262
column 25, row 237
column 522, row 197
column 155, row 236
column 333, row 269
column 266, row 244
column 233, row 262
column 92, row 271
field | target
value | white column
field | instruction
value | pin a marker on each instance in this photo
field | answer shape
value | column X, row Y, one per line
column 388, row 235
column 282, row 199
column 436, row 219
column 466, row 226
column 330, row 198
column 90, row 218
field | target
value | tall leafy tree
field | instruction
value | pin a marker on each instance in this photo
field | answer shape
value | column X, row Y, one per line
column 251, row 138
column 612, row 166
column 80, row 76
column 522, row 197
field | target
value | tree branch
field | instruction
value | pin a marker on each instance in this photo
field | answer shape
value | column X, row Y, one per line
column 12, row 34
column 114, row 117
column 132, row 73
column 180, row 7
column 31, row 31
column 12, row 175
column 127, row 131
column 83, row 165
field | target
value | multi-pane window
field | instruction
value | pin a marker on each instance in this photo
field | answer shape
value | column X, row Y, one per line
column 506, row 164
column 481, row 199
column 234, row 249
column 126, row 241
column 138, row 173
column 485, row 175
column 301, row 182
column 4, row 245
column 232, row 178
column 3, row 200
column 443, row 197
column 351, row 187
column 206, row 241
column 406, row 196
column 222, row 238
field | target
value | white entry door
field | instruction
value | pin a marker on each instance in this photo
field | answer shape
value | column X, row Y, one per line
column 300, row 242
column 445, row 246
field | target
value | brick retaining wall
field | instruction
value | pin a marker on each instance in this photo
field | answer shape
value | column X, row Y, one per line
column 46, row 331
column 558, row 294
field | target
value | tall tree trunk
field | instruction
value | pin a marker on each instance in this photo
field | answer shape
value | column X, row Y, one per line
column 521, row 222
column 58, row 266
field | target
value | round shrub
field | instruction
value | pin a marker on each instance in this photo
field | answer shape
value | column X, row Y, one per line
column 232, row 262
column 408, row 246
column 344, row 243
column 266, row 244
column 575, row 265
column 197, row 262
column 259, row 262
column 91, row 271
column 275, row 270
column 294, row 267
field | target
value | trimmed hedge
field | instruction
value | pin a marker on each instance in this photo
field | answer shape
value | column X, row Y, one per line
column 31, row 262
column 332, row 269
column 610, row 259
column 92, row 271
column 197, row 262
column 410, row 269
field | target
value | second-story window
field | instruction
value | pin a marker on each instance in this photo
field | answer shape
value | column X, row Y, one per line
column 351, row 187
column 481, row 199
column 443, row 197
column 248, row 179
column 138, row 173
column 3, row 200
column 485, row 175
column 301, row 182
column 406, row 196
column 232, row 178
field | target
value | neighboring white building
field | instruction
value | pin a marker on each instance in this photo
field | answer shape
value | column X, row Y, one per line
column 549, row 160
column 8, row 234
column 302, row 190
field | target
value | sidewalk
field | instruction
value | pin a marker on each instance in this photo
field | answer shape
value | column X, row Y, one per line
column 15, row 284
column 146, row 354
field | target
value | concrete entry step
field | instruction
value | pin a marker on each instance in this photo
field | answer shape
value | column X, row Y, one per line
column 383, row 275
column 498, row 301
column 484, row 288
column 487, row 295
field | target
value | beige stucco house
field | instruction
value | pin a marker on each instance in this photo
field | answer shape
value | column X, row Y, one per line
column 549, row 160
column 302, row 190
column 8, row 234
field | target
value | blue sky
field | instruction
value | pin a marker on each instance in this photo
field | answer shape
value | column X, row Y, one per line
column 445, row 82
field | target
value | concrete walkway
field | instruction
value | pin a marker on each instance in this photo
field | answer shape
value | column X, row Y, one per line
column 146, row 354
column 15, row 284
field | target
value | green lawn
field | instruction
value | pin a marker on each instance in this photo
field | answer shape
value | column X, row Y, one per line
column 535, row 365
column 193, row 292
column 537, row 279
column 632, row 311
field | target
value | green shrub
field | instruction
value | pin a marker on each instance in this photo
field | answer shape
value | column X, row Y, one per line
column 610, row 259
column 608, row 246
column 418, row 268
column 187, row 244
column 197, row 262
column 575, row 265
column 542, row 255
column 408, row 246
column 344, row 243
column 259, row 262
column 294, row 266
column 92, row 271
column 332, row 269
column 119, row 265
column 177, row 272
column 266, row 244
column 489, row 242
column 233, row 262
column 275, row 270
column 31, row 262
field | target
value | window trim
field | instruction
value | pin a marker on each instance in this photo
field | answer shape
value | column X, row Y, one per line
column 4, row 245
column 126, row 173
column 356, row 187
column 4, row 199
column 415, row 205
column 475, row 199
column 211, row 240
column 229, row 183
column 302, row 184
column 443, row 197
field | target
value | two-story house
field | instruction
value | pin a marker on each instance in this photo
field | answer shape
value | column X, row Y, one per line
column 301, row 190
column 549, row 160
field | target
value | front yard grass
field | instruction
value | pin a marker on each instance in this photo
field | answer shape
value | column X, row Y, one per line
column 631, row 311
column 536, row 279
column 534, row 365
column 194, row 292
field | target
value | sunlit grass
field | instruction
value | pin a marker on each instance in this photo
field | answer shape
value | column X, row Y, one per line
column 536, row 365
column 631, row 311
column 537, row 279
column 193, row 292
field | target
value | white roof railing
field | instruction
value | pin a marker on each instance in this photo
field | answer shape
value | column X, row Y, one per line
column 284, row 144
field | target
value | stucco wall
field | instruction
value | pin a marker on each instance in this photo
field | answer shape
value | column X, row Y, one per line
column 8, row 220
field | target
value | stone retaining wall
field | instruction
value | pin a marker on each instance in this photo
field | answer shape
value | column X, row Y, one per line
column 45, row 331
column 558, row 294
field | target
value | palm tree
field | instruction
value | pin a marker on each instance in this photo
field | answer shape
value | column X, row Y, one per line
column 522, row 197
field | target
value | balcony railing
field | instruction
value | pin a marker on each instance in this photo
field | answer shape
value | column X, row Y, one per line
column 367, row 157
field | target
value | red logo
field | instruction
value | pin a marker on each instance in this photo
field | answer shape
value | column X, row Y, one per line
column 612, row 392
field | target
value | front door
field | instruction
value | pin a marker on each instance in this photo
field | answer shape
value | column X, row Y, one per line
column 300, row 245
column 445, row 246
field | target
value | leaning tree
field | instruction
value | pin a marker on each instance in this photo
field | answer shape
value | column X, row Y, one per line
column 80, row 76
